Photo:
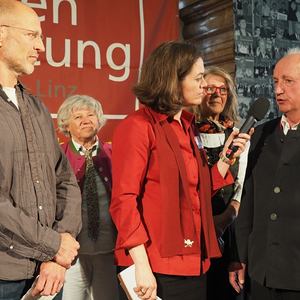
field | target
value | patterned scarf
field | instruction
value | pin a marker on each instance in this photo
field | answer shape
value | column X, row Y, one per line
column 212, row 126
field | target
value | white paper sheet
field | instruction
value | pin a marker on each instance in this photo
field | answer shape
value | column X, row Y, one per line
column 127, row 278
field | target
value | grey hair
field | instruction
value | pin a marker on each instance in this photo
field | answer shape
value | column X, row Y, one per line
column 74, row 103
column 231, row 108
column 295, row 50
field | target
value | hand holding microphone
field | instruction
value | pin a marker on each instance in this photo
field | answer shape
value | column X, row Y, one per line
column 238, row 140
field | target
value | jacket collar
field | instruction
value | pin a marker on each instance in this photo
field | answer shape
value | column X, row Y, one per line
column 186, row 117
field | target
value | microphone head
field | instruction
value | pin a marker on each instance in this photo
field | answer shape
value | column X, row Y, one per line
column 259, row 108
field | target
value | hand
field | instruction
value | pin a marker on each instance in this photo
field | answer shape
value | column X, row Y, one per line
column 239, row 140
column 235, row 207
column 51, row 279
column 68, row 250
column 237, row 275
column 146, row 286
column 223, row 220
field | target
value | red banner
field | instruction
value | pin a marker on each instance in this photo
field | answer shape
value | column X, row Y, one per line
column 96, row 48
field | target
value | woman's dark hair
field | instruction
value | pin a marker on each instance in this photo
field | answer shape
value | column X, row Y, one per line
column 159, row 86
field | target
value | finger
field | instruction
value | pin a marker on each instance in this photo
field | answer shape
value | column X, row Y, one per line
column 241, row 277
column 245, row 135
column 138, row 291
column 60, row 286
column 241, row 286
column 240, row 140
column 154, row 295
column 39, row 286
column 236, row 286
column 147, row 294
column 232, row 280
column 55, row 287
column 48, row 287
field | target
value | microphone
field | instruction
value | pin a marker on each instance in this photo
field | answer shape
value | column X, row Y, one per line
column 256, row 113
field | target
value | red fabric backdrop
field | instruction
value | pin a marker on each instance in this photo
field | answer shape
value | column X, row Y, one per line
column 96, row 47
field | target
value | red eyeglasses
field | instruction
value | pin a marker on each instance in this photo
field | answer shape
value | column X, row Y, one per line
column 213, row 89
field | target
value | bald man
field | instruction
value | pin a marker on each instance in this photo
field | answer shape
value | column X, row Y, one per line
column 40, row 202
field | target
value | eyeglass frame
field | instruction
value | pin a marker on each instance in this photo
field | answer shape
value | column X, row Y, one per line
column 35, row 34
column 215, row 89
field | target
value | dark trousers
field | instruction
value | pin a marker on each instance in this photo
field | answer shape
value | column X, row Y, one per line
column 260, row 292
column 14, row 290
column 218, row 286
column 170, row 287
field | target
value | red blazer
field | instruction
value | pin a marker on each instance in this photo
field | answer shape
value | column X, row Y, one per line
column 136, row 203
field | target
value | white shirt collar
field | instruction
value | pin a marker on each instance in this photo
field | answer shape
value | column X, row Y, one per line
column 286, row 126
column 81, row 149
column 11, row 94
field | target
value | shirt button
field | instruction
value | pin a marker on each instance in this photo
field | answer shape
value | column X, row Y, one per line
column 100, row 169
column 11, row 247
column 273, row 216
column 105, row 179
column 40, row 207
column 275, row 244
column 277, row 190
column 37, row 181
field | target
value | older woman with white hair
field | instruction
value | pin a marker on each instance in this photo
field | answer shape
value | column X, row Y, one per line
column 80, row 118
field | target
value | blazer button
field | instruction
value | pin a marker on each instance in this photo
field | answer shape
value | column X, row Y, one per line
column 273, row 216
column 277, row 190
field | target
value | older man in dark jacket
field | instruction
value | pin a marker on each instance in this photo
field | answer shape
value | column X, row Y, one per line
column 268, row 225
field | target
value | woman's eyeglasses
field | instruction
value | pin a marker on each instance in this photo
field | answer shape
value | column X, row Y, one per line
column 213, row 89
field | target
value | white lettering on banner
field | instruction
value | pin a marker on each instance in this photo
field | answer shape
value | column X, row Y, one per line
column 82, row 45
column 125, row 65
column 66, row 61
column 54, row 90
column 56, row 4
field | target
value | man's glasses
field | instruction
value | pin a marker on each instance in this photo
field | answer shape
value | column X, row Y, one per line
column 213, row 89
column 32, row 35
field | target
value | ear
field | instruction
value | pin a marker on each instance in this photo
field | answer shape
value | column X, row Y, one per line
column 2, row 35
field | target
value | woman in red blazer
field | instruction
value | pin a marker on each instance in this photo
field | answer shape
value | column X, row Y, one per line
column 161, row 196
